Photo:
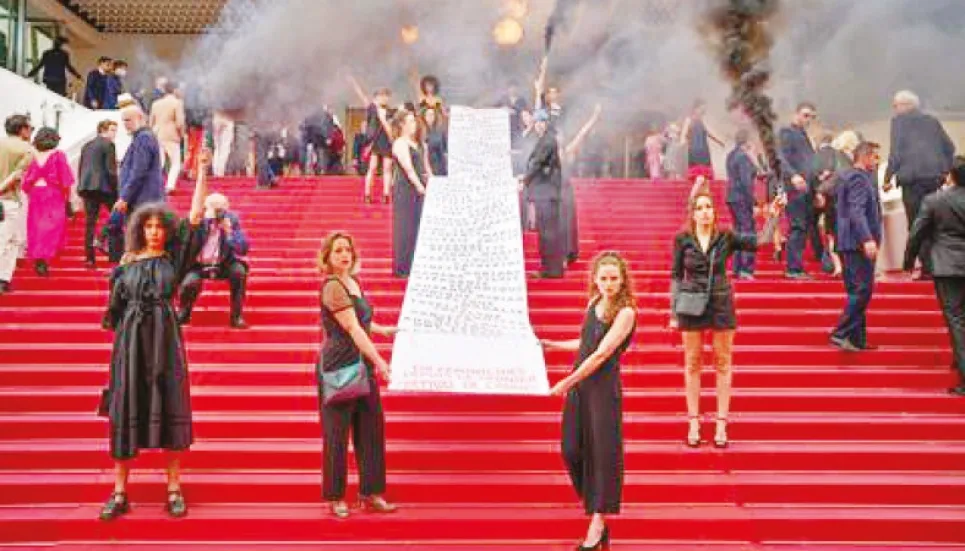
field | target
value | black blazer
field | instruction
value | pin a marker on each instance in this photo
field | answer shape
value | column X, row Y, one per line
column 544, row 172
column 691, row 265
column 941, row 220
column 920, row 148
column 98, row 168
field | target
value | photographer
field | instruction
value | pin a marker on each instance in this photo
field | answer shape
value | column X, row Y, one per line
column 224, row 245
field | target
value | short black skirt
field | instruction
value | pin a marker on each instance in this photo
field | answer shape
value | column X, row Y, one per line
column 719, row 316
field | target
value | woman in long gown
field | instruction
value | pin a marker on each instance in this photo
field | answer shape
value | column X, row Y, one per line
column 436, row 141
column 411, row 177
column 592, row 442
column 47, row 182
column 148, row 400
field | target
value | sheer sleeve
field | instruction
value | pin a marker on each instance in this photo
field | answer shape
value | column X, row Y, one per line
column 335, row 297
column 117, row 302
column 184, row 247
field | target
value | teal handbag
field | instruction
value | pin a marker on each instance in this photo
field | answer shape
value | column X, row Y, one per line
column 345, row 384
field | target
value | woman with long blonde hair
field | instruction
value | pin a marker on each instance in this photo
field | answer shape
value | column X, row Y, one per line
column 592, row 442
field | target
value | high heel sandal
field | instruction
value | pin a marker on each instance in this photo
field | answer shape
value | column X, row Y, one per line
column 116, row 506
column 176, row 506
column 602, row 543
column 721, row 443
column 340, row 509
column 691, row 441
column 376, row 504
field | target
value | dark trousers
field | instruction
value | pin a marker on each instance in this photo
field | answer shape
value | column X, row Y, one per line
column 570, row 226
column 814, row 230
column 743, row 214
column 57, row 86
column 859, row 279
column 798, row 215
column 912, row 194
column 366, row 421
column 92, row 207
column 235, row 272
column 951, row 296
column 548, row 224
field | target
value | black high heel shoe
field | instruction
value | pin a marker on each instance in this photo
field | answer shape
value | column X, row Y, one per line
column 691, row 441
column 116, row 506
column 721, row 443
column 602, row 543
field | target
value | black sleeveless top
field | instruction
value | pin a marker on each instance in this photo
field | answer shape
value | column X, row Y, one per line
column 338, row 348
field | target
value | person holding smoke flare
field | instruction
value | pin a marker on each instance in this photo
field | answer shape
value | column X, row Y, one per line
column 703, row 300
column 592, row 424
column 377, row 117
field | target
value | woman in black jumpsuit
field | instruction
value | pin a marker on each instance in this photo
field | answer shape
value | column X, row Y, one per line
column 592, row 440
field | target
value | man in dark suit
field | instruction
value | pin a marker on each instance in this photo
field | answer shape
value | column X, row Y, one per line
column 921, row 154
column 55, row 63
column 741, row 173
column 141, row 180
column 797, row 160
column 96, row 90
column 544, row 178
column 941, row 221
column 859, row 234
column 223, row 248
column 98, row 181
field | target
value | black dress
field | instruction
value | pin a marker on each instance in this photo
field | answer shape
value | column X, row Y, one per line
column 406, row 214
column 437, row 142
column 569, row 222
column 381, row 142
column 592, row 441
column 149, row 400
column 691, row 271
column 364, row 417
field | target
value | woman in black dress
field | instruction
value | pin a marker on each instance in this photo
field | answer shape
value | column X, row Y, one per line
column 700, row 247
column 592, row 442
column 347, row 324
column 148, row 400
column 377, row 116
column 436, row 140
column 412, row 176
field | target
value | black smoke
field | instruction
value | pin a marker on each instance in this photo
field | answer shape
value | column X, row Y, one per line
column 557, row 20
column 742, row 33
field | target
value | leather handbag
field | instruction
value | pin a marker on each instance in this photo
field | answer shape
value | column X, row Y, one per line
column 693, row 303
column 345, row 384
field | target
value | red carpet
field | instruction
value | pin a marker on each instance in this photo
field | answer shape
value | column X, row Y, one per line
column 831, row 451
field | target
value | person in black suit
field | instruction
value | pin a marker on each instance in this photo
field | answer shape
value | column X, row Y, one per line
column 941, row 221
column 797, row 160
column 95, row 93
column 98, row 181
column 921, row 154
column 741, row 174
column 544, row 177
column 859, row 235
column 55, row 63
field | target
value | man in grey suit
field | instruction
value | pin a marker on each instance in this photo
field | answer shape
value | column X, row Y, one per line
column 941, row 221
column 921, row 155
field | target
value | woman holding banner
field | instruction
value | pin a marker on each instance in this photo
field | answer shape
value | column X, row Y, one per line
column 348, row 393
column 592, row 442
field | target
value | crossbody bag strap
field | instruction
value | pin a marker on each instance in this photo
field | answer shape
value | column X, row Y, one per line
column 710, row 274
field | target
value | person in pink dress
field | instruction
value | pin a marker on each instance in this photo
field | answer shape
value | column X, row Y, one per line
column 47, row 182
column 653, row 147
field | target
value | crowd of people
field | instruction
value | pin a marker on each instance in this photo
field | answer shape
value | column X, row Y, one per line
column 829, row 196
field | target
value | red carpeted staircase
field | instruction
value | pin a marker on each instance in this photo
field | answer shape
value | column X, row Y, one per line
column 831, row 450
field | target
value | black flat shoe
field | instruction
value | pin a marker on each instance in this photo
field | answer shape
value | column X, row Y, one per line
column 176, row 505
column 603, row 543
column 116, row 506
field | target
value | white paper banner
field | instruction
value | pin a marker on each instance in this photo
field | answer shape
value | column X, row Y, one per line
column 464, row 326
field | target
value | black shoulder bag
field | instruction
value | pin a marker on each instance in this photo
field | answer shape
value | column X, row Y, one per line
column 693, row 303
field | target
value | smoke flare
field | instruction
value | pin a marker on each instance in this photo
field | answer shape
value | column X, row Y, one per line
column 557, row 19
column 743, row 47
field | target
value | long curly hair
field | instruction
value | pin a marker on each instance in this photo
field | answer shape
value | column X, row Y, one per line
column 134, row 239
column 625, row 297
column 690, row 226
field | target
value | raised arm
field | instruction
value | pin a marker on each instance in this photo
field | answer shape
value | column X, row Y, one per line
column 577, row 140
column 540, row 84
column 200, row 189
column 618, row 332
column 359, row 91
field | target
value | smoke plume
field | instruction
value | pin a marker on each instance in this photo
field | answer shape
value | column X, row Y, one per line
column 743, row 45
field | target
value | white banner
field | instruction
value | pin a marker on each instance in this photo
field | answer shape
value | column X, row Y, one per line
column 464, row 326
